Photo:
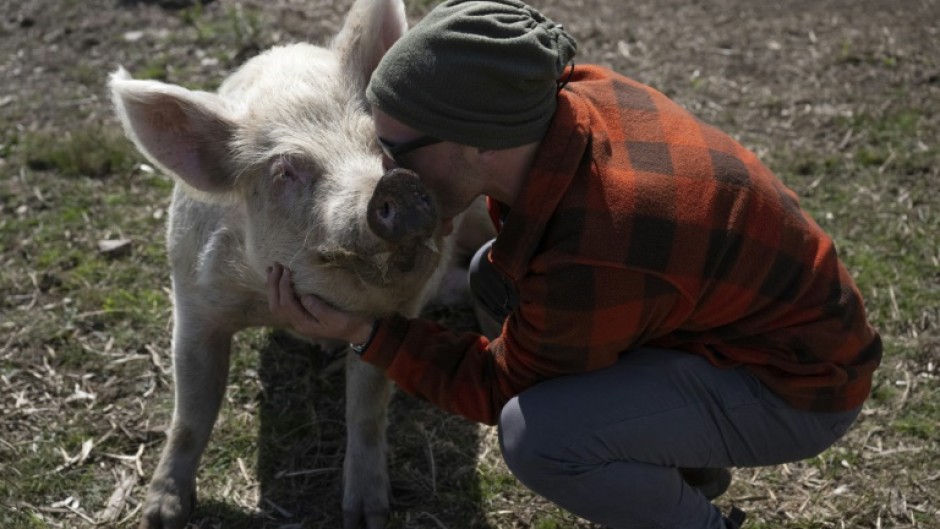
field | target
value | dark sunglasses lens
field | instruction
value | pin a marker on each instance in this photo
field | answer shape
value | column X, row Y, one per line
column 394, row 151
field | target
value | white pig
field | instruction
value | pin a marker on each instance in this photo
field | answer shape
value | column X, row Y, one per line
column 281, row 165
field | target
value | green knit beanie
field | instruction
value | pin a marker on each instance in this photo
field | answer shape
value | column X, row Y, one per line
column 476, row 72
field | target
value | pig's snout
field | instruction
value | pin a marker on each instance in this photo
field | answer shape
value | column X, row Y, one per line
column 401, row 209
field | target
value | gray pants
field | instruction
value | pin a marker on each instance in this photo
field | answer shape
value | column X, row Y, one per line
column 607, row 445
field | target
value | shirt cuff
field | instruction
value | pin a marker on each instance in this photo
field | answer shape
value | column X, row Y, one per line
column 389, row 336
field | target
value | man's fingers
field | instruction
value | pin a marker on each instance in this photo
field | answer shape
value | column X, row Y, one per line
column 311, row 303
column 290, row 303
column 308, row 315
column 284, row 286
column 321, row 312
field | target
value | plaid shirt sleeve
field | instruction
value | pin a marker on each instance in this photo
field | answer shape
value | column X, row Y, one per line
column 639, row 225
column 546, row 337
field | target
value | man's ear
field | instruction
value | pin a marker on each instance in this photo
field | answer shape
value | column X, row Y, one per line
column 186, row 133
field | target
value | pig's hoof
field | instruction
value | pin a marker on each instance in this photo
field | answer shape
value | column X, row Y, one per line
column 357, row 519
column 167, row 506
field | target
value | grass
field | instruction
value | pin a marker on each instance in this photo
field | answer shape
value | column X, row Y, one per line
column 879, row 198
column 84, row 335
column 879, row 201
column 68, row 310
column 95, row 152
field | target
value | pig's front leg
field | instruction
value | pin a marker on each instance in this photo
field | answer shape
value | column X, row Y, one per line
column 365, row 472
column 201, row 363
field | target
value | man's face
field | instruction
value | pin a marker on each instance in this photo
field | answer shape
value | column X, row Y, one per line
column 445, row 167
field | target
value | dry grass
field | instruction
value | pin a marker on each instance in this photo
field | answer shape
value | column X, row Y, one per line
column 840, row 98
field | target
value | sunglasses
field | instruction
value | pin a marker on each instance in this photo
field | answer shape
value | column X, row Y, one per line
column 397, row 150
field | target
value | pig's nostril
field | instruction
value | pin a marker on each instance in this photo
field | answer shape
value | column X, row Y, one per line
column 385, row 212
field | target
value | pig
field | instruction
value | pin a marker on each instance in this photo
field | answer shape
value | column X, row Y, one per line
column 281, row 164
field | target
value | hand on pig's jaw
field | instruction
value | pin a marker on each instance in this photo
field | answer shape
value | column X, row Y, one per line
column 309, row 315
column 374, row 282
column 365, row 268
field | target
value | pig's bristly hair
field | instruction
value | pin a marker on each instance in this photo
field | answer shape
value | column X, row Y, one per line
column 324, row 139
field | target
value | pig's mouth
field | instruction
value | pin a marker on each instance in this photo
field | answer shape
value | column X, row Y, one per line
column 382, row 267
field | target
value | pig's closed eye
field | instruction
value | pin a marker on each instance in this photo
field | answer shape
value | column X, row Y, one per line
column 291, row 169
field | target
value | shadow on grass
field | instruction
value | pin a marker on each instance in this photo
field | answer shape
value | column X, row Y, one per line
column 301, row 445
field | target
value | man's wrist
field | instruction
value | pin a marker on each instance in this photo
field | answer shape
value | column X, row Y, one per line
column 359, row 347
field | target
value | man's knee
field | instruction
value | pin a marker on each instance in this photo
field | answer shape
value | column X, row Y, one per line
column 530, row 450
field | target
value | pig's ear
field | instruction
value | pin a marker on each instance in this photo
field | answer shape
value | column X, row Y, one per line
column 184, row 132
column 371, row 27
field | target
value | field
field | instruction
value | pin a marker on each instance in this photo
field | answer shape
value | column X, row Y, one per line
column 841, row 98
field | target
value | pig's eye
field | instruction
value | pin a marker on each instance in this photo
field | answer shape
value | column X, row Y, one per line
column 289, row 169
column 282, row 168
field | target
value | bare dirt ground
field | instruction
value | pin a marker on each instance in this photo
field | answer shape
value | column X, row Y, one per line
column 840, row 97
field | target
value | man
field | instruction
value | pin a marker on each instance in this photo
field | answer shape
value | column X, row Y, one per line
column 659, row 307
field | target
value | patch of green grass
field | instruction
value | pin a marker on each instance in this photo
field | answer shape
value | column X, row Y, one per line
column 86, row 74
column 221, row 459
column 14, row 517
column 139, row 305
column 855, row 55
column 493, row 483
column 878, row 203
column 882, row 393
column 241, row 27
column 94, row 151
column 41, row 459
column 21, row 516
column 155, row 68
column 245, row 26
column 546, row 522
column 835, row 463
column 815, row 165
column 7, row 147
column 894, row 135
column 919, row 416
column 193, row 16
column 41, row 476
column 60, row 246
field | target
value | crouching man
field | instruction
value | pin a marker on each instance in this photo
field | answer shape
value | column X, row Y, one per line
column 656, row 307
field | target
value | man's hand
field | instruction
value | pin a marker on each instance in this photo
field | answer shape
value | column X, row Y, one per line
column 310, row 316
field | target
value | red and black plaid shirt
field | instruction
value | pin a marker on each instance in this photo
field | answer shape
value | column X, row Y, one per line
column 641, row 226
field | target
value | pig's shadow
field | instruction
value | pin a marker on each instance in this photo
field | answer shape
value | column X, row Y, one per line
column 432, row 455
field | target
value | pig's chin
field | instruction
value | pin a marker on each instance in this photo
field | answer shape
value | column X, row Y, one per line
column 403, row 267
